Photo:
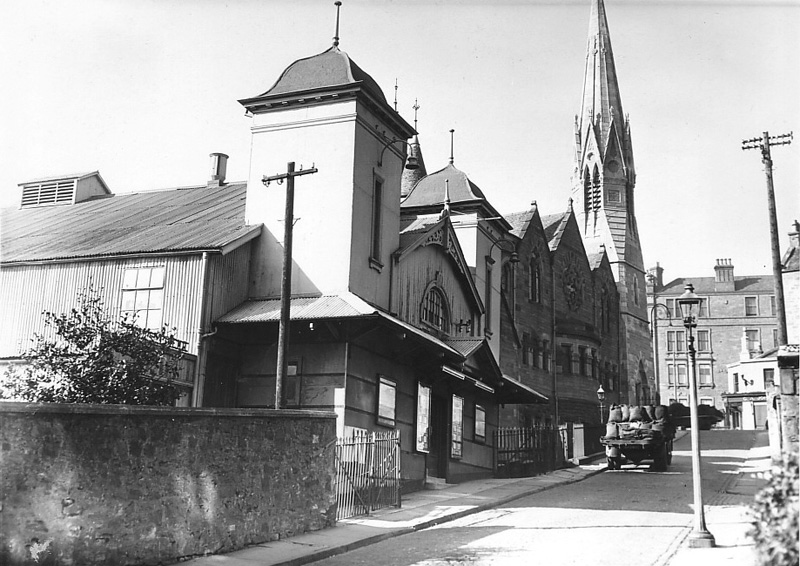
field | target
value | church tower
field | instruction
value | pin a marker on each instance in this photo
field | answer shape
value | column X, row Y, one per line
column 603, row 193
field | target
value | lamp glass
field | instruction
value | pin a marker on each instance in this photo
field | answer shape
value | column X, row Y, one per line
column 687, row 301
column 601, row 394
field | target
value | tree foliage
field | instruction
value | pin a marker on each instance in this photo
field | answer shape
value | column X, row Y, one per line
column 776, row 515
column 86, row 356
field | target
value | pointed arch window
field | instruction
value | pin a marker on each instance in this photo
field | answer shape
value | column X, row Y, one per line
column 535, row 280
column 434, row 309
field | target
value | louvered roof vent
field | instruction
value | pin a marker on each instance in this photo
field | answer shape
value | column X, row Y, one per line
column 63, row 189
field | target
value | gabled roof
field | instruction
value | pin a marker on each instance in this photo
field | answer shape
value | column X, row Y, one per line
column 189, row 219
column 554, row 226
column 520, row 221
column 708, row 285
column 429, row 229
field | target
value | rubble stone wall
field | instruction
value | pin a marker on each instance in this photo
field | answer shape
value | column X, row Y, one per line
column 91, row 484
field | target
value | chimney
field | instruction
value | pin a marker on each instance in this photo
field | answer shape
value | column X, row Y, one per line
column 794, row 235
column 723, row 275
column 655, row 277
column 219, row 166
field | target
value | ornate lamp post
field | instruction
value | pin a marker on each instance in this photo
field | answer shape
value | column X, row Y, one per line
column 699, row 537
column 601, row 396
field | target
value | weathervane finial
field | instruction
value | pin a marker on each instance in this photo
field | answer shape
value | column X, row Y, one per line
column 336, row 37
column 415, row 107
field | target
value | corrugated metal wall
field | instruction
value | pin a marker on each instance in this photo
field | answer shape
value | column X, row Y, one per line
column 28, row 290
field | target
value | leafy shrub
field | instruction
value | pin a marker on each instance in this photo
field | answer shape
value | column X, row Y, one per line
column 776, row 516
column 86, row 357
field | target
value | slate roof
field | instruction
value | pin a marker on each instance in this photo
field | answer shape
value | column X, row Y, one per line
column 188, row 219
column 520, row 221
column 708, row 285
column 330, row 68
column 554, row 225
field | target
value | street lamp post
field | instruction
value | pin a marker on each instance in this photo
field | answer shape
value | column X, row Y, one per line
column 699, row 537
column 601, row 396
column 654, row 339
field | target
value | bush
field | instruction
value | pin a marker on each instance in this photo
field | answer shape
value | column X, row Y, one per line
column 95, row 359
column 776, row 510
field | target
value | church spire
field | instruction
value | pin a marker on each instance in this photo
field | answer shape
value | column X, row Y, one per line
column 601, row 114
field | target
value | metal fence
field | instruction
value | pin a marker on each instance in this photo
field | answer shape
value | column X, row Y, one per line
column 367, row 473
column 523, row 452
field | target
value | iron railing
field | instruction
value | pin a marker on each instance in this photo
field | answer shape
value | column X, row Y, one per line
column 367, row 473
column 523, row 452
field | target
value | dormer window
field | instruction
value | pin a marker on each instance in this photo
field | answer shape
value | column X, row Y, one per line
column 434, row 309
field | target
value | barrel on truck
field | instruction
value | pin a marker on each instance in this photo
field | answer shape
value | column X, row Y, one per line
column 638, row 433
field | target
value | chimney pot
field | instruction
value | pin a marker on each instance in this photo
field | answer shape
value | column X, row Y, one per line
column 219, row 167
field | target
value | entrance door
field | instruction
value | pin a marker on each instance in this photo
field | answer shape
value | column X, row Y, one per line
column 437, row 457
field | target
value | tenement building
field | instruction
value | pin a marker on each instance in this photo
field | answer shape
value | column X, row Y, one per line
column 737, row 320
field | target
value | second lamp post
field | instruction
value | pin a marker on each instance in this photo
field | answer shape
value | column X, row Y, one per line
column 699, row 537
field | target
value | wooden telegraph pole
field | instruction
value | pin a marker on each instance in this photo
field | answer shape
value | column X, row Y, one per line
column 763, row 143
column 286, row 281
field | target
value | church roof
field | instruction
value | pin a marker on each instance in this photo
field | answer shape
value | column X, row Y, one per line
column 330, row 68
column 520, row 221
column 176, row 220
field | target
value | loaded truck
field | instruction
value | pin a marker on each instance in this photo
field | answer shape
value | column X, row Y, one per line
column 638, row 433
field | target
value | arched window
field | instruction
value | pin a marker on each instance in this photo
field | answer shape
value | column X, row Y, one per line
column 535, row 282
column 434, row 309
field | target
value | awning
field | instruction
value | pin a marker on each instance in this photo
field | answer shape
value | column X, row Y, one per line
column 515, row 392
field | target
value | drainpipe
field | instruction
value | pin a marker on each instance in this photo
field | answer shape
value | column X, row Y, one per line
column 553, row 341
column 199, row 382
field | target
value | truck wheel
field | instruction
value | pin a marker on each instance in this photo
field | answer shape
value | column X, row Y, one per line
column 660, row 459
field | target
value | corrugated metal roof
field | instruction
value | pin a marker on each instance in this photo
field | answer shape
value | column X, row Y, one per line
column 300, row 308
column 344, row 305
column 465, row 346
column 186, row 219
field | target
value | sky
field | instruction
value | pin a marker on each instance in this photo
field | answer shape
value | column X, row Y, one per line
column 144, row 90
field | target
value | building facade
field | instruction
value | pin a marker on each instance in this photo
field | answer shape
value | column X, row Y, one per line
column 737, row 320
column 415, row 305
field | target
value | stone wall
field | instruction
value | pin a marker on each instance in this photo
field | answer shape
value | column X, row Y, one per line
column 91, row 484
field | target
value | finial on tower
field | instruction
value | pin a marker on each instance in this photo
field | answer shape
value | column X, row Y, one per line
column 395, row 94
column 415, row 107
column 451, row 145
column 336, row 37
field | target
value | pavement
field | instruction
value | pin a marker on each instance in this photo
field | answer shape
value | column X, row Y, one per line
column 424, row 509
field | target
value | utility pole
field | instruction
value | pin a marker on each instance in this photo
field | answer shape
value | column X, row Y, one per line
column 286, row 281
column 763, row 143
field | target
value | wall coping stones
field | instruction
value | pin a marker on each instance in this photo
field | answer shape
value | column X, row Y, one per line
column 136, row 410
